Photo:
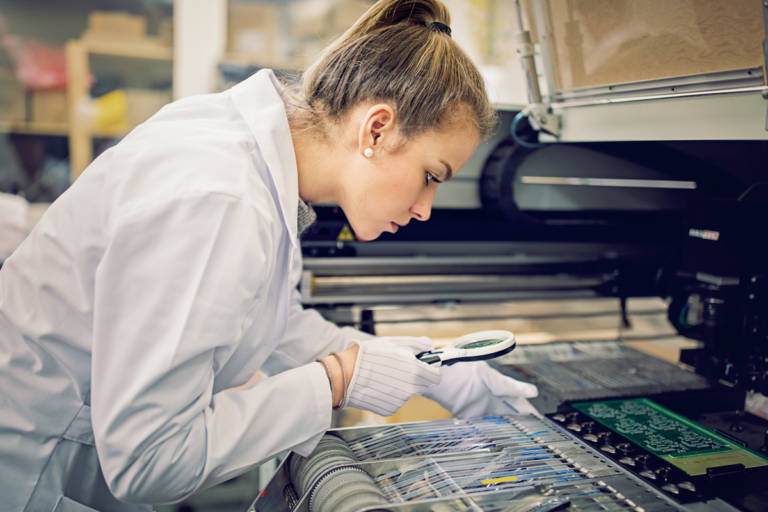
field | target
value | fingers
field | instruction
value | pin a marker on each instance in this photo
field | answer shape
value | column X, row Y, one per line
column 475, row 389
column 503, row 386
column 387, row 376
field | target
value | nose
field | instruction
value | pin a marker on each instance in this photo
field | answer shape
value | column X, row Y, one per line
column 422, row 208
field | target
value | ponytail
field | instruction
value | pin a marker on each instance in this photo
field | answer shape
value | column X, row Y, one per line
column 399, row 52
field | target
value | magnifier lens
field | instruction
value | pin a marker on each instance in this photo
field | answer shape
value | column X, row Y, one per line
column 484, row 343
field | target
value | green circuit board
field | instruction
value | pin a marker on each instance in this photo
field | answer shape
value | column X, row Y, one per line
column 651, row 426
column 668, row 435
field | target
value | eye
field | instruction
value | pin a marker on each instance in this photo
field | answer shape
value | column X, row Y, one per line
column 431, row 177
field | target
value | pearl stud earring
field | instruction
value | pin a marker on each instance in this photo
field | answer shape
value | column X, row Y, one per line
column 368, row 152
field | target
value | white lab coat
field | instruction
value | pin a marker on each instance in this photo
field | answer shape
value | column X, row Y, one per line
column 163, row 276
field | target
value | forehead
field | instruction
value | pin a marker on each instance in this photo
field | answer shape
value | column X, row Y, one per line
column 455, row 141
column 456, row 126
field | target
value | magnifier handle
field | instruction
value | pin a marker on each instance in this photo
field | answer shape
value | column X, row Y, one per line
column 429, row 357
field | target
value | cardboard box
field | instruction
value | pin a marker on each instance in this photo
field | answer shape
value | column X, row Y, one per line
column 144, row 103
column 117, row 25
column 49, row 106
column 13, row 101
column 254, row 31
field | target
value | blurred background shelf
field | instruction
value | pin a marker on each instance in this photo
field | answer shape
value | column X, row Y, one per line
column 54, row 129
column 34, row 128
column 148, row 48
column 73, row 87
column 79, row 91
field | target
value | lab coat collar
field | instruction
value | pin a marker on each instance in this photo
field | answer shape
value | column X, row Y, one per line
column 258, row 100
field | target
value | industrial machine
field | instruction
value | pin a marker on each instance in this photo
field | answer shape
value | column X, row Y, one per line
column 605, row 455
column 615, row 180
column 702, row 247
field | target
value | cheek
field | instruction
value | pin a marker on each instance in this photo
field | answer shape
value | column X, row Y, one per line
column 390, row 192
column 399, row 185
column 389, row 202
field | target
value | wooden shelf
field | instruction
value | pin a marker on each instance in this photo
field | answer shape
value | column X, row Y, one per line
column 34, row 128
column 78, row 51
column 55, row 129
column 147, row 48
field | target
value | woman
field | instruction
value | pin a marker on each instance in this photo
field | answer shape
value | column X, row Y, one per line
column 165, row 275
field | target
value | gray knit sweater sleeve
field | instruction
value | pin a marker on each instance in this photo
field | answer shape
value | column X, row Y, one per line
column 306, row 217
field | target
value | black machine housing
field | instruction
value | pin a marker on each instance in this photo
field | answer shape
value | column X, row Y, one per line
column 720, row 292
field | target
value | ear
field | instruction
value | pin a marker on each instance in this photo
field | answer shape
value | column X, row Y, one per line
column 378, row 127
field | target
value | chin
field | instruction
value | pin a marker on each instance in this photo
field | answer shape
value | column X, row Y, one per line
column 365, row 230
column 366, row 235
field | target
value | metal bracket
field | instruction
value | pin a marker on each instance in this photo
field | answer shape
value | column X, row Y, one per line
column 540, row 115
column 542, row 119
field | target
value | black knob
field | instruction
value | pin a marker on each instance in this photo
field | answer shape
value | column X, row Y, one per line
column 572, row 417
column 588, row 426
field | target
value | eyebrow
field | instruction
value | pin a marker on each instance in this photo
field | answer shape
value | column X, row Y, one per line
column 449, row 170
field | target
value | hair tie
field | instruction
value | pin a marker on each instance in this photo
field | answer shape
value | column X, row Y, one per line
column 440, row 27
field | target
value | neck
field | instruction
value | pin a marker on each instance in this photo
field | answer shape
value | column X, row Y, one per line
column 320, row 164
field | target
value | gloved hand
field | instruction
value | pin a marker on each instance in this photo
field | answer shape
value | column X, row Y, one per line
column 387, row 374
column 475, row 389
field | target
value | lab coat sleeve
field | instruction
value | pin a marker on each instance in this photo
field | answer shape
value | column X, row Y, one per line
column 308, row 335
column 177, row 282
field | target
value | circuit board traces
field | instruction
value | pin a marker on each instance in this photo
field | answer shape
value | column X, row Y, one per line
column 642, row 422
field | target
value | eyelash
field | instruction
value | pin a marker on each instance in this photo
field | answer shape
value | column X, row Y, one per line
column 431, row 177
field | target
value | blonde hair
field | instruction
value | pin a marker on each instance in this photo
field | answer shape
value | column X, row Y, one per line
column 394, row 55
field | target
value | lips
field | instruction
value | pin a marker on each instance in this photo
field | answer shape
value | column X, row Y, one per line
column 395, row 227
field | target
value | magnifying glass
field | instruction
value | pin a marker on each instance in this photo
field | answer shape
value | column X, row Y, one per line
column 477, row 346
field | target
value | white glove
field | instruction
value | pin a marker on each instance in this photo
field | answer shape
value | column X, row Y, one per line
column 475, row 389
column 387, row 374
